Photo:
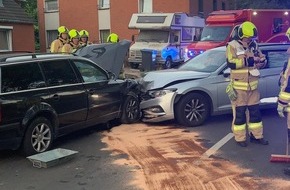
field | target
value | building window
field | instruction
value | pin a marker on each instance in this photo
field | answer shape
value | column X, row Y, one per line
column 214, row 3
column 51, row 35
column 200, row 8
column 5, row 39
column 223, row 6
column 145, row 6
column 104, row 35
column 51, row 5
column 104, row 4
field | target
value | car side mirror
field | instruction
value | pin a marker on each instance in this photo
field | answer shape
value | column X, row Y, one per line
column 175, row 39
column 227, row 72
column 111, row 75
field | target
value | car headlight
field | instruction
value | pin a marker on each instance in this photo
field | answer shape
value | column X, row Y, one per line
column 159, row 93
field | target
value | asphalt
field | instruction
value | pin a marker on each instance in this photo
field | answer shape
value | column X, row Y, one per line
column 91, row 168
column 254, row 157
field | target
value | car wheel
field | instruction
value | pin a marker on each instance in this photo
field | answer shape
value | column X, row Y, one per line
column 131, row 109
column 168, row 63
column 38, row 137
column 192, row 110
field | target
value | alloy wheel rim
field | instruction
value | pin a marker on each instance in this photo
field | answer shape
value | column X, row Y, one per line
column 194, row 110
column 132, row 109
column 41, row 137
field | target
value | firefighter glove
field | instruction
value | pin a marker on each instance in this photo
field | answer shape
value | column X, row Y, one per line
column 231, row 92
column 280, row 110
column 250, row 61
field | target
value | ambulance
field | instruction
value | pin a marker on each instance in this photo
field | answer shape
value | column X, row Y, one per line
column 166, row 34
column 222, row 26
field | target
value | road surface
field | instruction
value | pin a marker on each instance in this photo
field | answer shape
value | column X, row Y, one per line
column 157, row 156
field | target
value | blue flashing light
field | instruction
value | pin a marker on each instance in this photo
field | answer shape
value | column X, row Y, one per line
column 154, row 54
column 193, row 53
column 169, row 52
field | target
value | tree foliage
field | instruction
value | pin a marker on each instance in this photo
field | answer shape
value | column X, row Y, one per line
column 30, row 7
column 262, row 4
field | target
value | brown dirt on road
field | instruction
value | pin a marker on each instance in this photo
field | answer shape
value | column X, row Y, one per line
column 170, row 158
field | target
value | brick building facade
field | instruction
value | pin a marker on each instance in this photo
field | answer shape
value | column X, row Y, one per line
column 16, row 28
column 100, row 17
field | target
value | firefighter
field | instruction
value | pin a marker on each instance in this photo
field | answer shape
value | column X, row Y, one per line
column 284, row 95
column 113, row 38
column 73, row 43
column 62, row 39
column 244, row 58
column 84, row 38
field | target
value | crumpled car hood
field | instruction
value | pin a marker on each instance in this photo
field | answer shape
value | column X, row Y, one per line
column 159, row 79
column 110, row 56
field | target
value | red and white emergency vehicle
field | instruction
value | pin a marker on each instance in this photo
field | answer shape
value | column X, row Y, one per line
column 222, row 26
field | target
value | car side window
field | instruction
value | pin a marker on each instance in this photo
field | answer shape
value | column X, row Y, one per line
column 21, row 77
column 276, row 58
column 58, row 72
column 90, row 72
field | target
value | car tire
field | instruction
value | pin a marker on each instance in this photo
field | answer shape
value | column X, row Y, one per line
column 131, row 109
column 168, row 63
column 192, row 110
column 38, row 137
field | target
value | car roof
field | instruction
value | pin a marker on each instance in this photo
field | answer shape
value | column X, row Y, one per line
column 263, row 46
column 273, row 46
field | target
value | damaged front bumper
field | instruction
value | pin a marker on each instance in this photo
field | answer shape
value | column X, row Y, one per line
column 156, row 109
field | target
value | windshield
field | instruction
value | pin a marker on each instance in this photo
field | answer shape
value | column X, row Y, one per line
column 208, row 62
column 153, row 36
column 215, row 33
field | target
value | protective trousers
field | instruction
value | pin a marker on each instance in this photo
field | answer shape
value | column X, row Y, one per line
column 288, row 122
column 247, row 100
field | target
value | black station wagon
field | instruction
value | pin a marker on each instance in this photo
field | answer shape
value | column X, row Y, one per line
column 44, row 96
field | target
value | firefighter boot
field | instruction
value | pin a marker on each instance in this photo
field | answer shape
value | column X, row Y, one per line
column 261, row 141
column 242, row 143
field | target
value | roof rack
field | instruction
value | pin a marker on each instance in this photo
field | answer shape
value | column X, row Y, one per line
column 11, row 52
column 27, row 56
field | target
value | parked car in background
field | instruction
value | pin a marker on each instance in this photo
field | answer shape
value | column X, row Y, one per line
column 45, row 96
column 196, row 90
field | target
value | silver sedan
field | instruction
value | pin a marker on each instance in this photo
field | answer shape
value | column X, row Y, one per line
column 196, row 90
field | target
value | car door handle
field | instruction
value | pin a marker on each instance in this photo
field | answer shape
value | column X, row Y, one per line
column 55, row 97
column 91, row 91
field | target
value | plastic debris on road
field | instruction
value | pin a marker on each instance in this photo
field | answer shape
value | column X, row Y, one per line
column 52, row 157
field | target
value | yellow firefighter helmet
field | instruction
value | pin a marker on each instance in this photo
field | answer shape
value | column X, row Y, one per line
column 84, row 33
column 62, row 29
column 288, row 33
column 73, row 33
column 113, row 38
column 247, row 30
